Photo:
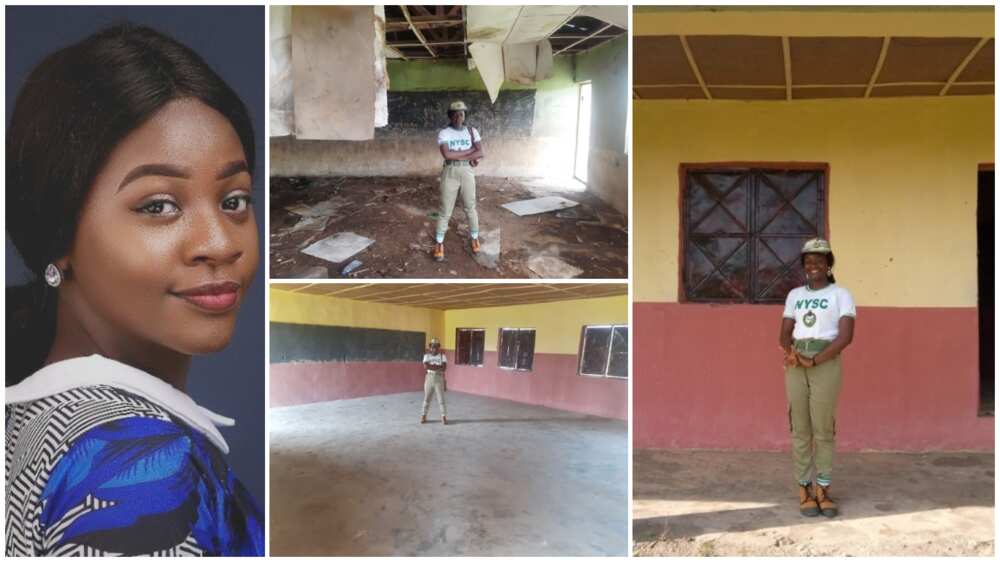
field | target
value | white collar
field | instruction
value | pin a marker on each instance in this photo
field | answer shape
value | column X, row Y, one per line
column 98, row 370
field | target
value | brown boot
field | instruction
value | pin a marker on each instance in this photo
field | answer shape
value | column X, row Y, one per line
column 444, row 420
column 827, row 506
column 438, row 252
column 807, row 503
column 423, row 419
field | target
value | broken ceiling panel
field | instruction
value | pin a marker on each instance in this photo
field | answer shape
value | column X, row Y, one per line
column 489, row 60
column 519, row 62
column 381, row 75
column 616, row 15
column 281, row 113
column 330, row 43
column 490, row 23
column 535, row 23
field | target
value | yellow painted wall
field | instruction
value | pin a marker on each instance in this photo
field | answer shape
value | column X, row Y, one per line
column 557, row 325
column 902, row 199
column 297, row 308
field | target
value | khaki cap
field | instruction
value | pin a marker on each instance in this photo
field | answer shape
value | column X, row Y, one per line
column 457, row 106
column 816, row 246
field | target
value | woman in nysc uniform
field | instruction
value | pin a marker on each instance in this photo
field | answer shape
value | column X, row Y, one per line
column 818, row 323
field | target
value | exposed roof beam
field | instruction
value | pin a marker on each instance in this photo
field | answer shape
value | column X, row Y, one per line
column 972, row 54
column 420, row 36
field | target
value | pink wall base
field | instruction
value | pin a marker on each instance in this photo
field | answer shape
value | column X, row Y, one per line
column 307, row 382
column 710, row 376
column 553, row 382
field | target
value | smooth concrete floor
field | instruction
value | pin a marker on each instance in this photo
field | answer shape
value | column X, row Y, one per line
column 717, row 503
column 363, row 477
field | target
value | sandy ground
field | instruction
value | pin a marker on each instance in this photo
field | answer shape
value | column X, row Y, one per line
column 711, row 503
column 399, row 213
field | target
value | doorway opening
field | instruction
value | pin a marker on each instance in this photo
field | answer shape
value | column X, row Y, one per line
column 984, row 257
column 582, row 156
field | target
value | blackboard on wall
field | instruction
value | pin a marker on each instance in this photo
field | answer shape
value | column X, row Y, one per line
column 304, row 342
column 425, row 113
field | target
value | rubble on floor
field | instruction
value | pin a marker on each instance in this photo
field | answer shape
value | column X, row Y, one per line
column 399, row 215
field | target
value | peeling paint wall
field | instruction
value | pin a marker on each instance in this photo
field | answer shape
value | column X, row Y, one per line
column 607, row 170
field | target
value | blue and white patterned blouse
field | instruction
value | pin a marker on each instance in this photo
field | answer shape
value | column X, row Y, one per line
column 103, row 459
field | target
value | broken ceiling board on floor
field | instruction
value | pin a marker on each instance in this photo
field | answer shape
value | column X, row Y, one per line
column 551, row 267
column 329, row 44
column 338, row 248
column 539, row 205
column 489, row 248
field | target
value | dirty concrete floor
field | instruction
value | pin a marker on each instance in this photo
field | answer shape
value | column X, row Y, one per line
column 362, row 477
column 399, row 213
column 712, row 503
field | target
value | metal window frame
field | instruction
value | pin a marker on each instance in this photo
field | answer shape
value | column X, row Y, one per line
column 607, row 360
column 458, row 342
column 684, row 171
column 515, row 368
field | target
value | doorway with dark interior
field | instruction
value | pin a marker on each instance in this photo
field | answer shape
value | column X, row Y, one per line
column 985, row 253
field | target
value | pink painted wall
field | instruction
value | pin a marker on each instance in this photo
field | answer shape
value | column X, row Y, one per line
column 553, row 382
column 307, row 382
column 710, row 376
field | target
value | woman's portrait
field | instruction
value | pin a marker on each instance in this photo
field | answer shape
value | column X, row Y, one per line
column 135, row 364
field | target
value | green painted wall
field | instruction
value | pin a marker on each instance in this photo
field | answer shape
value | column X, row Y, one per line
column 423, row 76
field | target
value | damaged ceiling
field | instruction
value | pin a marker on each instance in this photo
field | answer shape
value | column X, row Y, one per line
column 445, row 32
column 453, row 296
column 747, row 67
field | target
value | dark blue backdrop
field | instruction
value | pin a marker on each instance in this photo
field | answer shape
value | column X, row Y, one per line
column 231, row 40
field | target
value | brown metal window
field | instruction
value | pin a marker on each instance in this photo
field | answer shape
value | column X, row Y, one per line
column 604, row 351
column 744, row 228
column 517, row 348
column 469, row 346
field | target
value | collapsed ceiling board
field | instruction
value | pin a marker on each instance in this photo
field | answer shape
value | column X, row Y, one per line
column 539, row 205
column 338, row 248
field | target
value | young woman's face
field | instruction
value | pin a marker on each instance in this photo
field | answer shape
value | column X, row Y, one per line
column 457, row 118
column 166, row 246
column 816, row 267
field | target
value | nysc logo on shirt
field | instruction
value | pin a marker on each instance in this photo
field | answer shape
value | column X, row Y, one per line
column 809, row 319
column 806, row 304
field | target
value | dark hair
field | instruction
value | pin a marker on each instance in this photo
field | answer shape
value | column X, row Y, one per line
column 73, row 110
column 829, row 261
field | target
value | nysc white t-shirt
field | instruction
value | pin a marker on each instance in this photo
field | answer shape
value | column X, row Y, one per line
column 817, row 313
column 458, row 140
column 439, row 359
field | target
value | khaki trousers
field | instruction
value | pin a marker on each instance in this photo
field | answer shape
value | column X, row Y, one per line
column 812, row 406
column 434, row 384
column 455, row 179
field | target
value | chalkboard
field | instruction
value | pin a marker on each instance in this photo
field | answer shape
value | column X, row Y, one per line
column 303, row 342
column 425, row 113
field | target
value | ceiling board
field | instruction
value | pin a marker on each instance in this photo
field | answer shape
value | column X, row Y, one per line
column 448, row 296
